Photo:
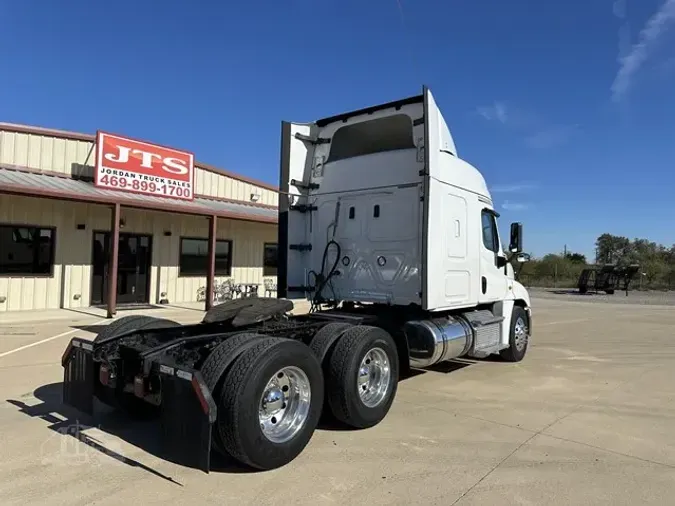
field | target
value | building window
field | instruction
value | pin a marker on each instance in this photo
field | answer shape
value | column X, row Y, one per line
column 270, row 259
column 194, row 257
column 26, row 251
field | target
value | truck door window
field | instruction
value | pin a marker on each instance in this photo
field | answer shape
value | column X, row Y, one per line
column 489, row 231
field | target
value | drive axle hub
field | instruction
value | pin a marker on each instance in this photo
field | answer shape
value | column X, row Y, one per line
column 284, row 405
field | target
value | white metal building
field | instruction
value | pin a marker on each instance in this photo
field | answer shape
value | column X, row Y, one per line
column 56, row 225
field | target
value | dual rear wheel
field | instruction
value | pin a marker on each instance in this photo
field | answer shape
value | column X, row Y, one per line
column 269, row 402
column 361, row 369
column 271, row 391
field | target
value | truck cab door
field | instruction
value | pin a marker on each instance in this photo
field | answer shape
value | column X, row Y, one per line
column 297, row 164
column 492, row 273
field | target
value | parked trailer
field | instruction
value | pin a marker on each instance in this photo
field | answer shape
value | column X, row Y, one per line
column 607, row 278
column 390, row 235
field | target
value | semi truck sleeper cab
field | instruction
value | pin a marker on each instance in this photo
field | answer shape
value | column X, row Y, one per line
column 393, row 239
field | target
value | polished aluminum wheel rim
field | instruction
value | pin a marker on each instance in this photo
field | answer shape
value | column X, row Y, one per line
column 284, row 405
column 520, row 333
column 374, row 377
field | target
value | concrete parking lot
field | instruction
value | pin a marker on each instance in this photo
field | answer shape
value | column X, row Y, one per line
column 587, row 418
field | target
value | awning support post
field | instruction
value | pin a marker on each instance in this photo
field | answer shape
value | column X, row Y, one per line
column 112, row 261
column 211, row 269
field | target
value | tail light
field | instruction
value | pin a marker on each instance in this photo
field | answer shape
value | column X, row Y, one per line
column 139, row 386
column 104, row 375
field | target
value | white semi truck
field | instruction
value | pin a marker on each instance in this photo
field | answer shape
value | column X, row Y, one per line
column 394, row 240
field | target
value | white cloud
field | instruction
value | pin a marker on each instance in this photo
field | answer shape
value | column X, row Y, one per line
column 624, row 41
column 494, row 112
column 538, row 133
column 550, row 137
column 512, row 188
column 619, row 8
column 515, row 206
column 651, row 33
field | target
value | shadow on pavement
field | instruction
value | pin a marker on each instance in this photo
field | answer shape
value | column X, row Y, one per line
column 452, row 365
column 144, row 434
column 575, row 292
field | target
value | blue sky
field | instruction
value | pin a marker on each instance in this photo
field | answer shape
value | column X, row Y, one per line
column 568, row 108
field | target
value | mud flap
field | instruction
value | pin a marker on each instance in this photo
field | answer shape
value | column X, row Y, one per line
column 78, row 375
column 187, row 416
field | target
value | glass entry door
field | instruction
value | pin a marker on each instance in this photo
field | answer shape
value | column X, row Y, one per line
column 133, row 268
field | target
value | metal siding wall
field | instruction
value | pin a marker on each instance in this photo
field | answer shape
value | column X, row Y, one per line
column 247, row 254
column 66, row 156
column 70, row 285
column 31, row 292
column 78, row 243
column 213, row 185
column 52, row 154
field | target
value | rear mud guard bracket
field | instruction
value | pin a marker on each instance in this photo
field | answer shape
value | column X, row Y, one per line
column 188, row 412
column 78, row 375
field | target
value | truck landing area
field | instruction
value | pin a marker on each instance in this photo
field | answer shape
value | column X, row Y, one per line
column 586, row 418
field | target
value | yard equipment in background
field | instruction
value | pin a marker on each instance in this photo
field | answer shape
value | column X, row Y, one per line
column 607, row 278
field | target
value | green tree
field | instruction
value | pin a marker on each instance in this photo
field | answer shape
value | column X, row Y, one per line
column 576, row 258
column 655, row 270
column 656, row 261
column 612, row 249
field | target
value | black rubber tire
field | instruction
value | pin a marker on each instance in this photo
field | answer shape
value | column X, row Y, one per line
column 512, row 354
column 126, row 401
column 341, row 380
column 211, row 369
column 131, row 323
column 325, row 339
column 241, row 393
column 322, row 344
column 215, row 367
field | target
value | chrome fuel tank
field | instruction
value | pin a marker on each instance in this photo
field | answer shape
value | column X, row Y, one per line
column 437, row 340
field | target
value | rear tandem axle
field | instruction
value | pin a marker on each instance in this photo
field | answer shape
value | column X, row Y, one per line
column 247, row 358
column 252, row 381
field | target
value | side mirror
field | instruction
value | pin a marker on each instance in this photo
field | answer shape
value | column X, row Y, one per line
column 522, row 258
column 516, row 241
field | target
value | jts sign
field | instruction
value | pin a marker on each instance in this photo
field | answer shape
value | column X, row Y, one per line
column 128, row 165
